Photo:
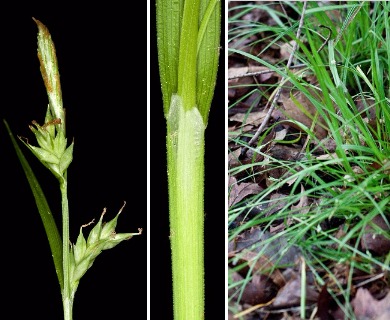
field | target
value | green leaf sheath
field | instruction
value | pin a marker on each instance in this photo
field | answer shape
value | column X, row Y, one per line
column 185, row 146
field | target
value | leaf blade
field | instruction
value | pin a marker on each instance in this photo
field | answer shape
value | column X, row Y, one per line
column 49, row 224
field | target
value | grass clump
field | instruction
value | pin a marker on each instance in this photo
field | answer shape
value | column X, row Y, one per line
column 331, row 194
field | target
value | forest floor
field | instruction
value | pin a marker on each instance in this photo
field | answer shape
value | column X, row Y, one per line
column 308, row 187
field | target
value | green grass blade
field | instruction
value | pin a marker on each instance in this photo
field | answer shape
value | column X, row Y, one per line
column 49, row 224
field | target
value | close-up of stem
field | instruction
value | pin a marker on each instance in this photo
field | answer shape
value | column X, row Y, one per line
column 188, row 39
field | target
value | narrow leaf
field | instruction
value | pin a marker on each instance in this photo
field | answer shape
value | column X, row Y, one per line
column 208, row 55
column 169, row 16
column 49, row 224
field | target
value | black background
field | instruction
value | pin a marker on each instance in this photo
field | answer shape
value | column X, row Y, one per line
column 102, row 63
column 160, row 277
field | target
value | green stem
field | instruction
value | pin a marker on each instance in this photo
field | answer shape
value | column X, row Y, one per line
column 185, row 147
column 66, row 294
column 188, row 33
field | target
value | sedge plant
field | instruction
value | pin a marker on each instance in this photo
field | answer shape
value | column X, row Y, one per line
column 71, row 261
column 349, row 183
column 188, row 39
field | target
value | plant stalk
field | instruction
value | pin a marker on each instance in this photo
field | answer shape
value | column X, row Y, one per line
column 185, row 147
column 188, row 35
column 66, row 294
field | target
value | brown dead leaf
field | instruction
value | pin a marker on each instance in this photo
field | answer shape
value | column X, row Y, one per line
column 366, row 306
column 327, row 156
column 277, row 249
column 264, row 72
column 366, row 105
column 260, row 265
column 286, row 49
column 303, row 204
column 325, row 304
column 327, row 145
column 290, row 294
column 373, row 240
column 284, row 152
column 264, row 279
column 253, row 118
column 281, row 134
column 233, row 158
column 256, row 291
column 242, row 190
column 307, row 115
column 239, row 86
column 246, row 239
column 277, row 203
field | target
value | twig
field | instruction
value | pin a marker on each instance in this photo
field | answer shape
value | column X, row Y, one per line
column 276, row 97
column 249, row 74
column 285, row 13
column 327, row 39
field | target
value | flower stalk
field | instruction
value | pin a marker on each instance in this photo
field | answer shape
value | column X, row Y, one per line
column 71, row 261
column 53, row 152
column 188, row 37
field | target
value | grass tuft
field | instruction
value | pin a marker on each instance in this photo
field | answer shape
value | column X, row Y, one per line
column 325, row 198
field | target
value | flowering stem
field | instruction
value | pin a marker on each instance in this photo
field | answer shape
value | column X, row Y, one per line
column 67, row 298
column 71, row 260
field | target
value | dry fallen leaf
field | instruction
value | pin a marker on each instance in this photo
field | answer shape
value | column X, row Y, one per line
column 253, row 118
column 303, row 206
column 373, row 241
column 264, row 280
column 366, row 306
column 256, row 291
column 241, row 71
column 307, row 115
column 240, row 191
column 290, row 294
